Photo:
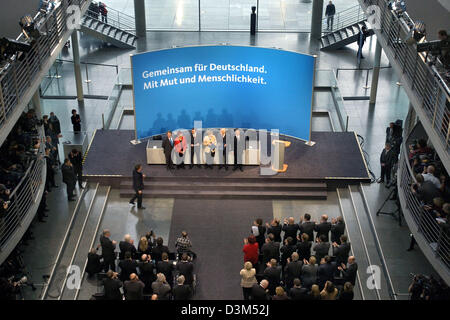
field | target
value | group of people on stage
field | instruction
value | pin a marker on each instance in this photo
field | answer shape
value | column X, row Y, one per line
column 208, row 145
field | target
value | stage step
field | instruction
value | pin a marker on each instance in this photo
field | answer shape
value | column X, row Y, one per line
column 204, row 188
column 234, row 194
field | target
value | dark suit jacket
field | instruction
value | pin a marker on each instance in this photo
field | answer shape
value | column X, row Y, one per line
column 276, row 231
column 112, row 287
column 304, row 249
column 321, row 250
column 134, row 290
column 258, row 293
column 341, row 253
column 308, row 228
column 167, row 147
column 293, row 270
column 187, row 270
column 166, row 267
column 157, row 251
column 387, row 157
column 337, row 230
column 290, row 230
column 299, row 294
column 286, row 252
column 182, row 292
column 107, row 248
column 323, row 228
column 76, row 122
column 124, row 247
column 127, row 267
column 138, row 181
column 68, row 175
column 270, row 250
column 94, row 264
column 146, row 273
column 76, row 161
column 349, row 274
column 325, row 272
column 273, row 275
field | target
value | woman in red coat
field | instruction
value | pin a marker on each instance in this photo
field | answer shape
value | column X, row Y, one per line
column 180, row 147
column 251, row 250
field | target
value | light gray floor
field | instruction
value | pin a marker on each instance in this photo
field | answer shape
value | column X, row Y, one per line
column 368, row 122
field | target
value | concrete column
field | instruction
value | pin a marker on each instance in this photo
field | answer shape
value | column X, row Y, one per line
column 375, row 74
column 36, row 100
column 316, row 19
column 139, row 18
column 77, row 66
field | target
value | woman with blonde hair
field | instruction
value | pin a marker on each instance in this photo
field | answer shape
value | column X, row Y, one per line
column 210, row 144
column 280, row 294
column 248, row 279
column 315, row 292
column 309, row 272
column 143, row 246
column 161, row 287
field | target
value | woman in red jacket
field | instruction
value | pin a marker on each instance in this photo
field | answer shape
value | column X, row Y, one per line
column 180, row 147
column 251, row 250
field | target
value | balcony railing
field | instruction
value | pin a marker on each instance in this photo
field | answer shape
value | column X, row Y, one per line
column 345, row 18
column 23, row 197
column 16, row 76
column 427, row 85
column 436, row 238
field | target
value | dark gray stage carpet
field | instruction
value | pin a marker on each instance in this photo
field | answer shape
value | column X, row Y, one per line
column 335, row 155
column 217, row 229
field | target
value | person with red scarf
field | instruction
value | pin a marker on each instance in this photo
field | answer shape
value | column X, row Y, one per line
column 180, row 147
column 251, row 250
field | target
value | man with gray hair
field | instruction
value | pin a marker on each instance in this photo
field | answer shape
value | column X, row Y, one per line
column 181, row 291
column 134, row 288
column 260, row 291
column 127, row 245
column 108, row 254
column 161, row 287
column 292, row 270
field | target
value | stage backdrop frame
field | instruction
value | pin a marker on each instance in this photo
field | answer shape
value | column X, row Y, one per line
column 311, row 97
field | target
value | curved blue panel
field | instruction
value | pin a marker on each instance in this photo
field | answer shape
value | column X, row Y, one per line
column 223, row 86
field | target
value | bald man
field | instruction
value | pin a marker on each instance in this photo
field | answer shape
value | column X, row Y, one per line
column 290, row 229
column 349, row 271
column 260, row 291
column 134, row 288
column 127, row 245
column 323, row 228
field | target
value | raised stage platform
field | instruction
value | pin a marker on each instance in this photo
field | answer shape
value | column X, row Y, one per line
column 335, row 160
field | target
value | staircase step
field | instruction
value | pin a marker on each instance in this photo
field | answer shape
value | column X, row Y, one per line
column 225, row 185
column 235, row 194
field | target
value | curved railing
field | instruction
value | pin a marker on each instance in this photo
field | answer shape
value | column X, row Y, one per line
column 22, row 198
column 428, row 232
column 431, row 96
column 16, row 76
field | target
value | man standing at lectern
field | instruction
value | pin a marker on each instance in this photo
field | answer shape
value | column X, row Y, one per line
column 138, row 185
column 168, row 147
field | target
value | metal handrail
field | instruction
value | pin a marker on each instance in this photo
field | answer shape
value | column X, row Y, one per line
column 345, row 18
column 425, row 82
column 123, row 21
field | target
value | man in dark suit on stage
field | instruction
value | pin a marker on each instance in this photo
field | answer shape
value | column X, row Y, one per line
column 108, row 254
column 77, row 162
column 138, row 186
column 167, row 145
column 239, row 145
column 223, row 146
column 195, row 148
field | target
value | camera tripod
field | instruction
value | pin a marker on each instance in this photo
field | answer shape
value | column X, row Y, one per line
column 397, row 212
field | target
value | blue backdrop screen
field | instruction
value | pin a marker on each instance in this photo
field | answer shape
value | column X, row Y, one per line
column 223, row 86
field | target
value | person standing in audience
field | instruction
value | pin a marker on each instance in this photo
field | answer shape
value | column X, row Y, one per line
column 329, row 292
column 248, row 279
column 94, row 264
column 346, row 292
column 180, row 147
column 298, row 292
column 181, row 291
column 56, row 125
column 251, row 250
column 195, row 148
column 183, row 244
column 134, row 288
column 76, row 121
column 292, row 270
column 321, row 248
column 337, row 229
column 223, row 147
column 325, row 271
column 50, row 164
column 273, row 275
column 286, row 251
column 426, row 191
column 260, row 291
column 323, row 228
column 290, row 229
column 303, row 247
column 349, row 271
column 77, row 162
column 161, row 287
column 275, row 229
column 165, row 267
column 49, row 143
column 307, row 226
column 146, row 272
column 68, row 177
column 387, row 159
column 259, row 231
column 159, row 249
column 138, row 186
column 168, row 145
column 127, row 266
column 112, row 285
column 108, row 254
column 315, row 292
column 341, row 251
column 280, row 294
column 127, row 245
column 270, row 249
column 186, row 268
column 309, row 272
column 239, row 145
column 428, row 175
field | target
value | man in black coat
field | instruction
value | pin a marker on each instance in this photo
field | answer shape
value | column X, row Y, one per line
column 146, row 272
column 337, row 229
column 112, row 286
column 68, row 177
column 127, row 266
column 387, row 160
column 223, row 147
column 94, row 264
column 341, row 251
column 56, row 126
column 325, row 272
column 349, row 271
column 165, row 267
column 323, row 228
column 181, row 291
column 167, row 145
column 239, row 145
column 304, row 247
column 298, row 292
column 260, row 291
column 194, row 147
column 138, row 186
column 134, row 288
column 322, row 248
column 127, row 245
column 77, row 163
column 108, row 254
column 186, row 268
column 50, row 163
column 273, row 275
column 270, row 249
column 292, row 270
column 76, row 121
column 290, row 229
column 307, row 226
